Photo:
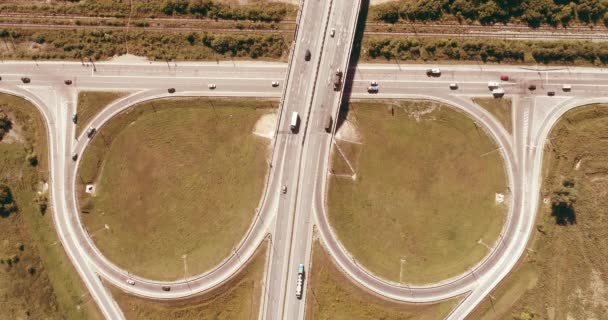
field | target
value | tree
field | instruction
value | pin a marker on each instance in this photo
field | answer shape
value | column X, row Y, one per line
column 5, row 124
column 7, row 204
column 563, row 201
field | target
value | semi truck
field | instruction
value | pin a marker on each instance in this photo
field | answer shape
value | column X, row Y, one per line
column 337, row 79
column 293, row 125
column 300, row 281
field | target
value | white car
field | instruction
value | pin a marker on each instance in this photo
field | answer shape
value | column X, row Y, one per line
column 453, row 86
column 332, row 33
column 211, row 86
column 284, row 189
column 373, row 83
column 275, row 83
column 372, row 89
column 131, row 281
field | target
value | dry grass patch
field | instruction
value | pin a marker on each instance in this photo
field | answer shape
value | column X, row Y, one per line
column 37, row 280
column 333, row 296
column 499, row 108
column 90, row 103
column 424, row 196
column 568, row 249
column 239, row 298
column 176, row 179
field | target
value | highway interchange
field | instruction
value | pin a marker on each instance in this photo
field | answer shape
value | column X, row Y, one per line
column 300, row 160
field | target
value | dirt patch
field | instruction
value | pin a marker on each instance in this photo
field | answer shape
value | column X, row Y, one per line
column 15, row 134
column 128, row 58
column 266, row 125
column 347, row 131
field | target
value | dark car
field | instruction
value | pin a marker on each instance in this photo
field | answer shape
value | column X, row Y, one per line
column 26, row 80
column 75, row 156
column 68, row 82
column 551, row 93
column 90, row 132
column 532, row 87
column 171, row 90
column 307, row 55
column 166, row 288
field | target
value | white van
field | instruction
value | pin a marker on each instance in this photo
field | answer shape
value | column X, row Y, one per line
column 293, row 125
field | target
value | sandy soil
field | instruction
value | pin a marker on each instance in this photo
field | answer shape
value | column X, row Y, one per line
column 348, row 132
column 128, row 58
column 265, row 125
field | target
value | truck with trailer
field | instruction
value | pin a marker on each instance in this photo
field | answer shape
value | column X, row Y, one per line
column 300, row 281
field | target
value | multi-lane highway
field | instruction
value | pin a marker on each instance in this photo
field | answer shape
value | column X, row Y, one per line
column 300, row 160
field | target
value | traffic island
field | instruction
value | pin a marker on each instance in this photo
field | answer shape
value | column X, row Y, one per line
column 177, row 183
column 422, row 197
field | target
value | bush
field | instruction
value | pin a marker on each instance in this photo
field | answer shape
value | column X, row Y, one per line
column 5, row 124
column 546, row 52
column 7, row 204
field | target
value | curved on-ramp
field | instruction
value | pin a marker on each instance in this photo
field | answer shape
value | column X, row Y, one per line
column 455, row 286
column 181, row 288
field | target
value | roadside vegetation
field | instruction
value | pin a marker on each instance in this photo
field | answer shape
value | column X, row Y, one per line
column 37, row 280
column 211, row 9
column 177, row 183
column 533, row 13
column 331, row 295
column 99, row 44
column 237, row 299
column 564, row 272
column 427, row 177
column 499, row 108
column 90, row 103
column 382, row 48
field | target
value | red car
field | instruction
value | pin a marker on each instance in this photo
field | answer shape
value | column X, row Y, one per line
column 504, row 78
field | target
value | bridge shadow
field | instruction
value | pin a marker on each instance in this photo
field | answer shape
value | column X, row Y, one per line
column 354, row 60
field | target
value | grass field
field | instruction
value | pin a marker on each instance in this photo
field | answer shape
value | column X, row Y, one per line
column 238, row 299
column 178, row 181
column 424, row 194
column 499, row 108
column 39, row 282
column 333, row 296
column 92, row 102
column 564, row 275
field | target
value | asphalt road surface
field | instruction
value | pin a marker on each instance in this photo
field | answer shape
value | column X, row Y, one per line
column 300, row 160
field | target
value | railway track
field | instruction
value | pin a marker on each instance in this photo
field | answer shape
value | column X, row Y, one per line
column 435, row 30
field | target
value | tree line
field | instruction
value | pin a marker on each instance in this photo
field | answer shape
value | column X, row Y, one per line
column 103, row 44
column 531, row 12
column 486, row 50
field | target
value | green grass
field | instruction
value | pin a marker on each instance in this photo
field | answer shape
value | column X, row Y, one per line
column 54, row 290
column 175, row 178
column 499, row 108
column 332, row 296
column 239, row 298
column 90, row 103
column 424, row 194
column 565, row 272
